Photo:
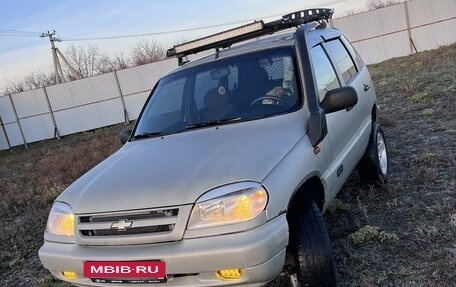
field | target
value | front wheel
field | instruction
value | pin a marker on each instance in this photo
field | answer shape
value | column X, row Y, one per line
column 374, row 165
column 311, row 247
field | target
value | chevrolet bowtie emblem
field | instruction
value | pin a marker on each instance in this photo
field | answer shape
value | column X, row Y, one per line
column 122, row 225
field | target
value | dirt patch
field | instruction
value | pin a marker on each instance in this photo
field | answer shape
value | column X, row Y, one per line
column 404, row 233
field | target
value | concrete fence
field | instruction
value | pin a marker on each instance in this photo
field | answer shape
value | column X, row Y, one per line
column 116, row 97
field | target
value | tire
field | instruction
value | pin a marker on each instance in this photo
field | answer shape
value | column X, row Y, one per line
column 374, row 165
column 311, row 247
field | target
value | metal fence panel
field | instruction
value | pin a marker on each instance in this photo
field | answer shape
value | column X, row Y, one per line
column 373, row 23
column 423, row 12
column 134, row 104
column 37, row 128
column 7, row 110
column 14, row 134
column 375, row 50
column 386, row 36
column 34, row 116
column 3, row 141
column 89, row 117
column 30, row 103
column 83, row 92
column 434, row 36
column 10, row 123
column 143, row 78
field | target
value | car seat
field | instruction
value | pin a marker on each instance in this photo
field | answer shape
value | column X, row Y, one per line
column 217, row 104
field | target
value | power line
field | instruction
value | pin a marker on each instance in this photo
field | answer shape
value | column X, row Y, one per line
column 183, row 30
column 152, row 33
column 18, row 31
column 21, row 33
column 17, row 35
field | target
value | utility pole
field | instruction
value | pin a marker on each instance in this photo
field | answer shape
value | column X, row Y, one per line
column 52, row 38
column 59, row 78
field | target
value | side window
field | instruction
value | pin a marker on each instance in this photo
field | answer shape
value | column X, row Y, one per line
column 359, row 62
column 324, row 72
column 342, row 59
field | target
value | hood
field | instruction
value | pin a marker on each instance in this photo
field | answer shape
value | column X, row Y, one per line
column 177, row 169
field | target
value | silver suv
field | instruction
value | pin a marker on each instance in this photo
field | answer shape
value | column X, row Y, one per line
column 229, row 167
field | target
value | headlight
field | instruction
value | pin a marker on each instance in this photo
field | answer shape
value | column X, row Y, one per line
column 61, row 220
column 220, row 206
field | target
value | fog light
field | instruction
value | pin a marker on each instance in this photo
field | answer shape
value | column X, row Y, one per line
column 69, row 275
column 229, row 274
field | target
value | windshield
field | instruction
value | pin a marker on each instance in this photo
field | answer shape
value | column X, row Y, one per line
column 236, row 89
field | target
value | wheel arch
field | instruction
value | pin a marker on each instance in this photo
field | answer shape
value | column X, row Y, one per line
column 374, row 113
column 309, row 253
column 311, row 189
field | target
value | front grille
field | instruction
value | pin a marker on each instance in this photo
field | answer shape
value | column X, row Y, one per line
column 129, row 231
column 131, row 216
column 134, row 227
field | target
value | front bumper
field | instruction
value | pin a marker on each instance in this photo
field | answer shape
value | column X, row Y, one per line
column 260, row 252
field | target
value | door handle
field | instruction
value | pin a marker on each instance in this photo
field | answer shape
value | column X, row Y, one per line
column 366, row 87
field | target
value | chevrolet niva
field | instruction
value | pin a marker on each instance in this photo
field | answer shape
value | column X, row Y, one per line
column 229, row 167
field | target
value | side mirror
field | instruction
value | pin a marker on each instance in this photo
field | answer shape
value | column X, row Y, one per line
column 339, row 99
column 124, row 135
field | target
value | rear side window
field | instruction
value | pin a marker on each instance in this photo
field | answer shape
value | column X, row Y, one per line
column 341, row 59
column 324, row 72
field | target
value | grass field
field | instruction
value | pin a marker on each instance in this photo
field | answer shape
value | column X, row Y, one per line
column 400, row 235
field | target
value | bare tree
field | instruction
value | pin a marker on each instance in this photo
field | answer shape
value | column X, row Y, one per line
column 30, row 82
column 351, row 12
column 14, row 87
column 377, row 4
column 146, row 52
column 88, row 61
column 33, row 81
column 117, row 62
column 84, row 60
column 39, row 80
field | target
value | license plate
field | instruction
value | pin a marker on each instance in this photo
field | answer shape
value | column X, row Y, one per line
column 153, row 271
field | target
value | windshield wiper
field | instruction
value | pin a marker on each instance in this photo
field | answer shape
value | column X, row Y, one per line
column 147, row 135
column 212, row 123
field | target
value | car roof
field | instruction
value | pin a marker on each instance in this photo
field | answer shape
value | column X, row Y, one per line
column 282, row 39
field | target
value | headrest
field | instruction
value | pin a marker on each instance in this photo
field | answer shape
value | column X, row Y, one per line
column 216, row 97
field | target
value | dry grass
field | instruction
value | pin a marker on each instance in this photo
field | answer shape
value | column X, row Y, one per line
column 30, row 180
column 418, row 207
column 416, row 96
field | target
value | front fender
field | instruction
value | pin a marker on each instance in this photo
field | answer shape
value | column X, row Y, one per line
column 284, row 180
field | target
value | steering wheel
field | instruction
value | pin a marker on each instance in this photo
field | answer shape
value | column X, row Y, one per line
column 275, row 101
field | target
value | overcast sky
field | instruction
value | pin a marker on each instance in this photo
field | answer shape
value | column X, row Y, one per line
column 22, row 55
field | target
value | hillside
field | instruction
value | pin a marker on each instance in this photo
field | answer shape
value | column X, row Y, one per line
column 400, row 235
column 417, row 96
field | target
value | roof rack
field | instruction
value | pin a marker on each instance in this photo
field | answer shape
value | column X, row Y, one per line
column 250, row 31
